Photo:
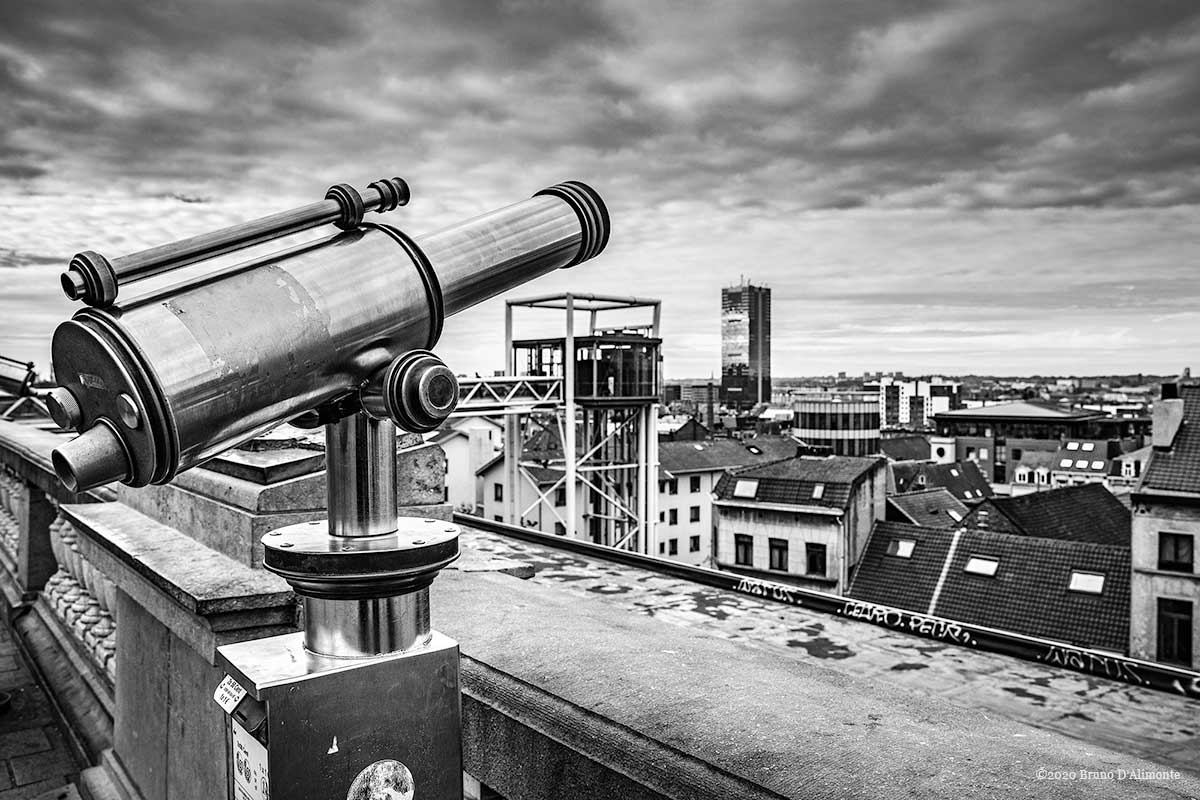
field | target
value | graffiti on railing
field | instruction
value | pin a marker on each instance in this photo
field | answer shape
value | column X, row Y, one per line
column 933, row 627
column 1093, row 663
column 765, row 589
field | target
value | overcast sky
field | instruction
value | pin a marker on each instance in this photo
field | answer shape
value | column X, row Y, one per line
column 1007, row 187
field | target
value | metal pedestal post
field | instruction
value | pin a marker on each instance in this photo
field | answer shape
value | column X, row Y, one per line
column 365, row 701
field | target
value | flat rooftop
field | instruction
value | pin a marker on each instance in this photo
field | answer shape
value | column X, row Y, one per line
column 1141, row 722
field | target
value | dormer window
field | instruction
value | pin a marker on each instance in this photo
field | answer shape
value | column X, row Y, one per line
column 1086, row 582
column 745, row 489
column 901, row 548
column 982, row 565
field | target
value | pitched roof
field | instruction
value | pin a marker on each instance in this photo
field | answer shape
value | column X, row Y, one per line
column 931, row 507
column 1178, row 469
column 793, row 481
column 1020, row 410
column 891, row 580
column 1029, row 592
column 1085, row 513
column 906, row 448
column 962, row 479
column 720, row 454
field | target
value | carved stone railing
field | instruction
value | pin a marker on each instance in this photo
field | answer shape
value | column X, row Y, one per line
column 83, row 597
column 11, row 497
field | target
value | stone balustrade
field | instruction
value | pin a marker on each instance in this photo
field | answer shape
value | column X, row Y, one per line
column 83, row 597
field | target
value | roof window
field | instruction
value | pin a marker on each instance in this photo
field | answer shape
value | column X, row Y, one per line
column 1087, row 582
column 1081, row 464
column 745, row 489
column 981, row 565
column 901, row 548
column 1089, row 447
column 753, row 449
column 954, row 515
column 1066, row 462
column 1097, row 465
column 1072, row 445
column 954, row 472
column 818, row 491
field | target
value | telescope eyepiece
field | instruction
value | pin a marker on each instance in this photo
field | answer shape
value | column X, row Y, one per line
column 417, row 392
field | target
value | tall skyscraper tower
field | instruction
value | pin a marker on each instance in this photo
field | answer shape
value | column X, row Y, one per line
column 745, row 346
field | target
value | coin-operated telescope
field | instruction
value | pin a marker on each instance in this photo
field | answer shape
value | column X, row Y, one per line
column 335, row 332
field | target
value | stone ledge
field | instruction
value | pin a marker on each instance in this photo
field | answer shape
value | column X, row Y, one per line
column 535, row 655
column 26, row 451
column 203, row 597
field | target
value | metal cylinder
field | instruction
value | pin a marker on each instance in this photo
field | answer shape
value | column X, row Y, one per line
column 360, row 476
column 370, row 627
column 214, row 363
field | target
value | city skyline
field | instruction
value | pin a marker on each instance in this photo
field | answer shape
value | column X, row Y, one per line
column 934, row 188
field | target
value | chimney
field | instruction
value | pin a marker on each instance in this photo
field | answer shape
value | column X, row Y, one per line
column 1168, row 418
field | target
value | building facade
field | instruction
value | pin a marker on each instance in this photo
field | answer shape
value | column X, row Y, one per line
column 745, row 346
column 999, row 437
column 907, row 403
column 1165, row 585
column 803, row 521
column 845, row 422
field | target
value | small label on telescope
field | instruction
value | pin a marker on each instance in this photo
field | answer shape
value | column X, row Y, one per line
column 229, row 694
column 91, row 381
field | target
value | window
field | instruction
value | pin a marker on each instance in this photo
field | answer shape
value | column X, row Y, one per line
column 694, row 514
column 673, row 486
column 1087, row 582
column 814, row 555
column 694, row 484
column 498, row 518
column 818, row 491
column 662, row 487
column 983, row 454
column 745, row 489
column 662, row 516
column 662, row 548
column 901, row 548
column 498, row 492
column 694, row 544
column 560, row 529
column 1175, row 631
column 560, row 496
column 672, row 547
column 970, row 452
column 1129, row 469
column 1175, row 552
column 1016, row 454
column 981, row 565
column 779, row 554
column 673, row 516
column 743, row 550
column 1022, row 475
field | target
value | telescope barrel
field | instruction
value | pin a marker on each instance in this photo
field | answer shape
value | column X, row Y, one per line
column 94, row 279
column 161, row 386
